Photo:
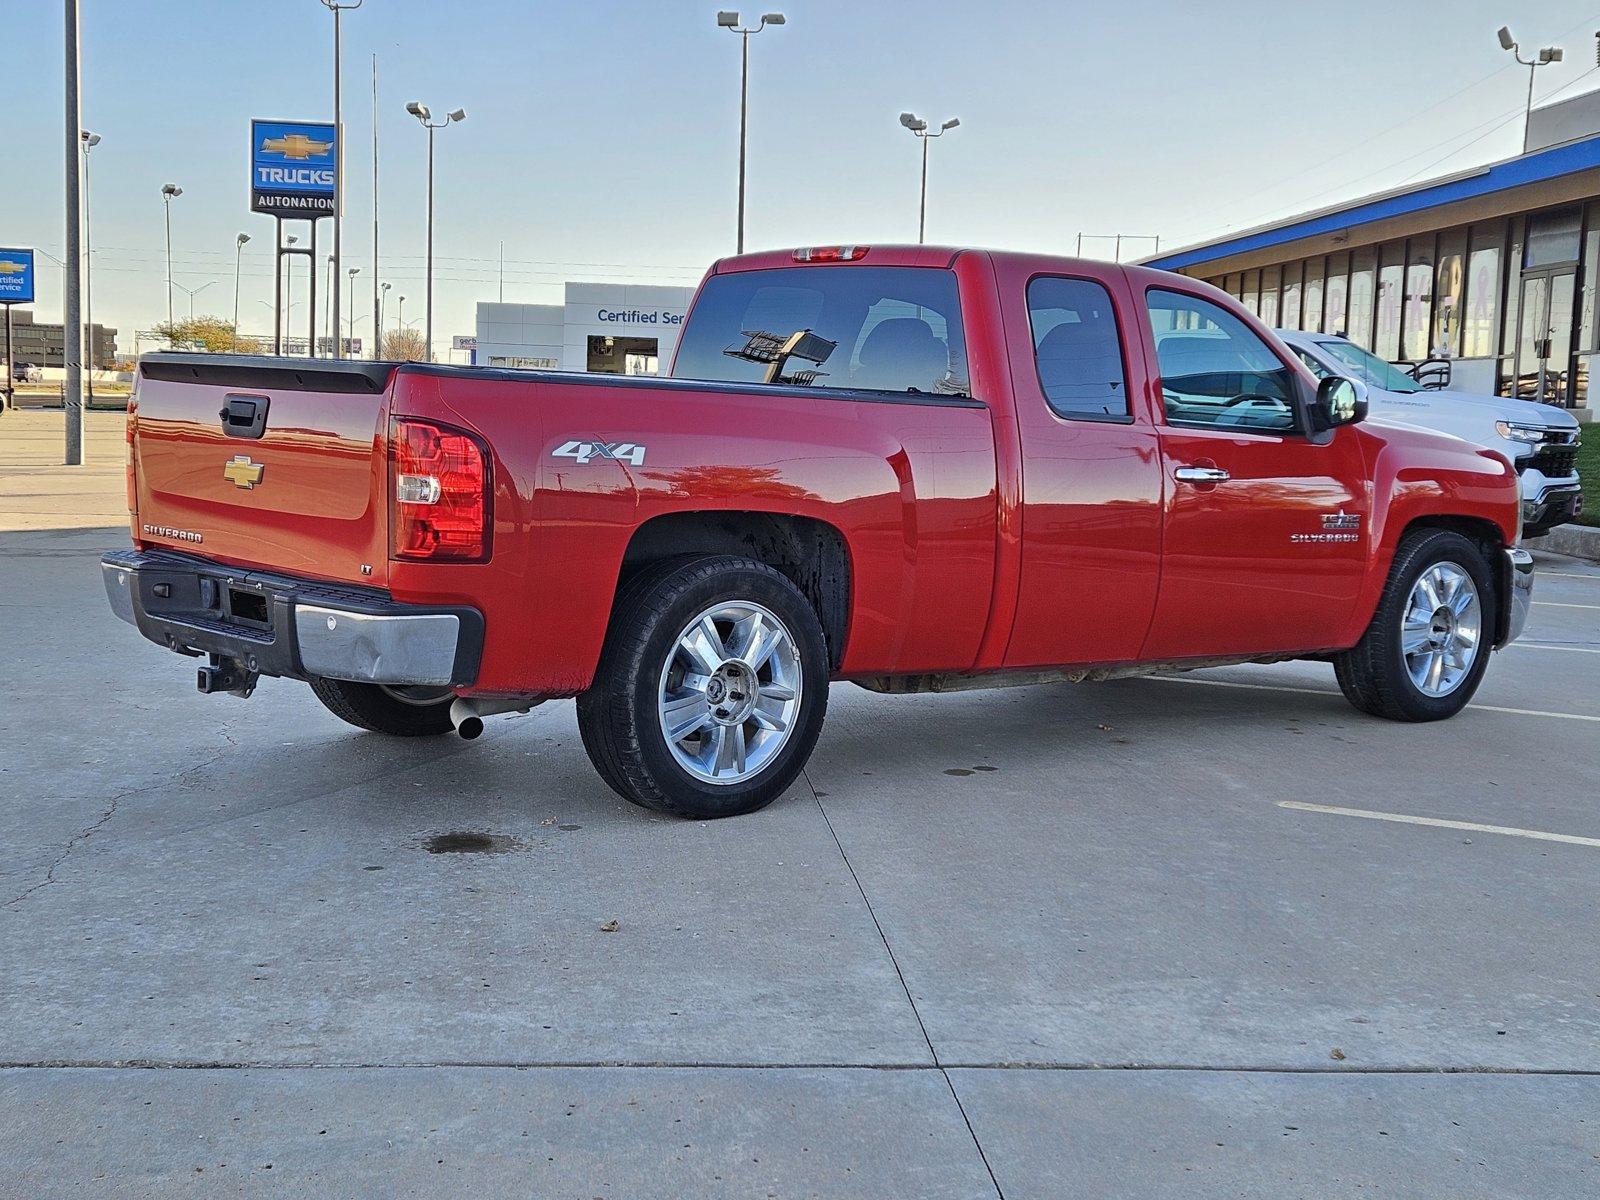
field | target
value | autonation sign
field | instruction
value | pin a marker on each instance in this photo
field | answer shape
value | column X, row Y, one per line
column 292, row 168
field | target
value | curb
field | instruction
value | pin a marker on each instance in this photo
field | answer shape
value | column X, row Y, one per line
column 1579, row 541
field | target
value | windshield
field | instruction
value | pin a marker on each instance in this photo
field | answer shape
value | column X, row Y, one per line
column 1369, row 368
column 884, row 329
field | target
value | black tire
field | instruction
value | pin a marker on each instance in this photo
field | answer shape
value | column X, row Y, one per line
column 1373, row 676
column 369, row 706
column 619, row 716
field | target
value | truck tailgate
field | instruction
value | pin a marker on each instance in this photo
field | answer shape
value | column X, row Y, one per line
column 293, row 479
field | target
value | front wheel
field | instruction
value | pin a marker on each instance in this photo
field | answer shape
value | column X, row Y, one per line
column 1428, row 646
column 711, row 688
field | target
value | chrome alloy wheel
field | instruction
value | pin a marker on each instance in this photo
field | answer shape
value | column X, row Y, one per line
column 1443, row 629
column 729, row 695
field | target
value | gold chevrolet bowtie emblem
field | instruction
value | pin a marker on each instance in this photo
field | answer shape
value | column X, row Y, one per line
column 296, row 145
column 8, row 267
column 241, row 472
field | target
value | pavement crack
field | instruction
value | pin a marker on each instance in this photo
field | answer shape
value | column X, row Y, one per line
column 899, row 974
column 100, row 822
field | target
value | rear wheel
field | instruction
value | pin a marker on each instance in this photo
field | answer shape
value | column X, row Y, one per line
column 1427, row 648
column 711, row 688
column 399, row 710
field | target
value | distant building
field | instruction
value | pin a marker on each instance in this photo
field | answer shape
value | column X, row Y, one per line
column 45, row 345
column 609, row 328
column 1496, row 267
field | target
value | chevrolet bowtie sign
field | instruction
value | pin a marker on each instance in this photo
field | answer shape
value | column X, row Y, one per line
column 16, row 276
column 292, row 168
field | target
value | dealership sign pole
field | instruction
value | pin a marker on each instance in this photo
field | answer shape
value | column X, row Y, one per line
column 16, row 287
column 293, row 168
column 72, row 300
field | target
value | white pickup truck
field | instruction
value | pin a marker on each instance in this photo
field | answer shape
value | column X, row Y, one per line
column 1540, row 441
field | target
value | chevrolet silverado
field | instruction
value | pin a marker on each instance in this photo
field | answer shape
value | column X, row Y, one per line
column 913, row 468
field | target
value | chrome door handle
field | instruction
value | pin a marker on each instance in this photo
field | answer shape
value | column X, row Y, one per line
column 1201, row 475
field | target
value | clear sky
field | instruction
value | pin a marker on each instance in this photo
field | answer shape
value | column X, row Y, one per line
column 601, row 140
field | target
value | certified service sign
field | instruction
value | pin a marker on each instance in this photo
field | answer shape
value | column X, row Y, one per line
column 16, row 276
column 291, row 168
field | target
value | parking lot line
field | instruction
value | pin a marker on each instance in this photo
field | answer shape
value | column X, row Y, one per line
column 1570, row 575
column 1558, row 604
column 1543, row 646
column 1538, row 835
column 1267, row 687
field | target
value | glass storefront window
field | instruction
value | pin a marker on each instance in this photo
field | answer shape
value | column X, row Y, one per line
column 1271, row 282
column 1553, row 238
column 1418, row 314
column 1363, row 282
column 1512, row 307
column 1480, row 319
column 1336, row 294
column 1312, row 318
column 1447, row 293
column 1250, row 297
column 1289, row 318
column 1588, row 336
column 1391, row 283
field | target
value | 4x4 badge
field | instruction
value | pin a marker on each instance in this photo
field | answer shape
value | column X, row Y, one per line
column 242, row 473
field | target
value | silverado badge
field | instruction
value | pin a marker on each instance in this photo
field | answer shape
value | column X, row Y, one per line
column 241, row 472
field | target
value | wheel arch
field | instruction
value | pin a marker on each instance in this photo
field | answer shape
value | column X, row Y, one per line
column 1488, row 535
column 810, row 553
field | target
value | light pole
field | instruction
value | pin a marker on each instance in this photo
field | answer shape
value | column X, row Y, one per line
column 288, row 299
column 89, row 141
column 238, row 252
column 168, row 192
column 730, row 21
column 336, row 9
column 330, row 315
column 1546, row 56
column 383, row 294
column 920, row 129
column 72, row 282
column 351, row 322
column 400, row 315
column 420, row 111
column 193, row 292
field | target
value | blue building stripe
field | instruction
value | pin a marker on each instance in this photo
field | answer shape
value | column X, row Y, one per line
column 1517, row 172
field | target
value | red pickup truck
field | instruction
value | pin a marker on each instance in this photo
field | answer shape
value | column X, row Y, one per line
column 916, row 469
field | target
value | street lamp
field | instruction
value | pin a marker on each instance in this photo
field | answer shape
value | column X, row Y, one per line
column 420, row 111
column 730, row 21
column 352, row 272
column 1546, row 56
column 336, row 9
column 383, row 295
column 193, row 292
column 88, row 141
column 168, row 192
column 400, row 315
column 238, row 251
column 288, row 302
column 919, row 129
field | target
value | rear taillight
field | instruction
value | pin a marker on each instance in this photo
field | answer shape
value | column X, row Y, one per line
column 439, row 507
column 831, row 254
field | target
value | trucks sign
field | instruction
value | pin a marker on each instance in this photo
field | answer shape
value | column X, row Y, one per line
column 292, row 168
column 16, row 276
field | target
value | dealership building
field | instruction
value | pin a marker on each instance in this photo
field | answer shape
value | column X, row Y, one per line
column 1494, row 268
column 609, row 328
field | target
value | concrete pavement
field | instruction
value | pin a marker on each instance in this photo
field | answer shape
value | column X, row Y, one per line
column 1031, row 943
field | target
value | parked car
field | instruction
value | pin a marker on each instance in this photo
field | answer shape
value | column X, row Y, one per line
column 27, row 372
column 1540, row 441
column 913, row 468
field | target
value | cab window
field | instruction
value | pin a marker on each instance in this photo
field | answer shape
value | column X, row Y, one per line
column 1078, row 348
column 1215, row 370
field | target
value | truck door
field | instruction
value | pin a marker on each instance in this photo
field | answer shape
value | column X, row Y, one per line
column 1091, row 475
column 1266, row 529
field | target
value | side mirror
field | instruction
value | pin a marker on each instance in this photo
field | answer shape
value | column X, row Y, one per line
column 1340, row 401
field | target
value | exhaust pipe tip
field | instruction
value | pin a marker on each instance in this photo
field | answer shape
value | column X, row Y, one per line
column 470, row 728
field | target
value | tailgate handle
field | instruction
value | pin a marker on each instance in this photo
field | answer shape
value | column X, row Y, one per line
column 244, row 416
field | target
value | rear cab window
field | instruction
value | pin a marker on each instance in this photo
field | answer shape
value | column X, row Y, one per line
column 878, row 329
column 1078, row 349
